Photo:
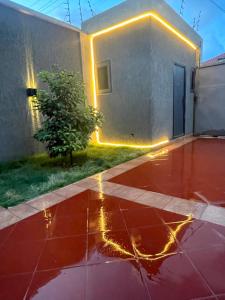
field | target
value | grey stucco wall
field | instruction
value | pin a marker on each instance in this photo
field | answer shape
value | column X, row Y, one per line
column 142, row 55
column 210, row 104
column 28, row 44
column 127, row 109
column 167, row 50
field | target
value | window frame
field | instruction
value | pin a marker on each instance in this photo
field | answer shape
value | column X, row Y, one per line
column 107, row 64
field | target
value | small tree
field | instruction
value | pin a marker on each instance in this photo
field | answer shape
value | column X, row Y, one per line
column 68, row 121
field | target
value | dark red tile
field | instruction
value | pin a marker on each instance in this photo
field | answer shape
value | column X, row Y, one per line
column 63, row 252
column 141, row 217
column 31, row 230
column 108, row 246
column 19, row 257
column 220, row 297
column 198, row 234
column 74, row 205
column 106, row 221
column 14, row 287
column 126, row 204
column 46, row 216
column 193, row 171
column 151, row 242
column 59, row 284
column 173, row 277
column 211, row 265
column 68, row 226
column 106, row 202
column 4, row 233
column 118, row 280
column 170, row 217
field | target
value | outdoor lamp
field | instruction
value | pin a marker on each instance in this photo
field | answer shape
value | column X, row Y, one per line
column 31, row 92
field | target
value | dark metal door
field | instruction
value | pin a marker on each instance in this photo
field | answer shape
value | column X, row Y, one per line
column 178, row 101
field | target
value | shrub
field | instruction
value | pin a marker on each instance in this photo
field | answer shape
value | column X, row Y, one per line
column 68, row 121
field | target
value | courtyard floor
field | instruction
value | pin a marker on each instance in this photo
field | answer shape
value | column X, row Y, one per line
column 152, row 228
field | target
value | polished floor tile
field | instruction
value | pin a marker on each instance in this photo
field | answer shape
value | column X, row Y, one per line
column 105, row 221
column 19, row 257
column 73, row 206
column 14, row 287
column 170, row 217
column 198, row 234
column 173, row 277
column 68, row 226
column 211, row 265
column 109, row 246
column 63, row 252
column 141, row 217
column 4, row 233
column 59, row 284
column 117, row 280
column 126, row 204
column 193, row 171
column 150, row 242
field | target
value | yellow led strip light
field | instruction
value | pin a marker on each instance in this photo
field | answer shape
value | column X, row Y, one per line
column 164, row 23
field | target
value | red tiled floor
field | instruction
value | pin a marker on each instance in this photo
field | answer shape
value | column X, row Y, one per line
column 74, row 205
column 108, row 246
column 198, row 234
column 59, row 284
column 68, row 226
column 4, row 233
column 14, row 287
column 63, row 252
column 118, row 280
column 141, row 217
column 193, row 171
column 108, row 203
column 94, row 246
column 105, row 221
column 170, row 217
column 19, row 257
column 151, row 242
column 124, row 205
column 173, row 278
column 211, row 264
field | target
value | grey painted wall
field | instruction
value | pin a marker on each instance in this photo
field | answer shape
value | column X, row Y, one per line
column 167, row 50
column 142, row 56
column 28, row 44
column 127, row 109
column 210, row 105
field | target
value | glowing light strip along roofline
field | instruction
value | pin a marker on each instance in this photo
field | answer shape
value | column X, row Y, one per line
column 117, row 26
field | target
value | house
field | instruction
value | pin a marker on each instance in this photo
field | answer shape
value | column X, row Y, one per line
column 137, row 59
column 210, row 104
column 143, row 56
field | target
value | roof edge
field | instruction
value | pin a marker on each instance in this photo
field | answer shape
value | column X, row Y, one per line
column 28, row 11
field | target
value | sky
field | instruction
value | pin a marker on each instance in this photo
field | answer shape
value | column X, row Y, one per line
column 211, row 25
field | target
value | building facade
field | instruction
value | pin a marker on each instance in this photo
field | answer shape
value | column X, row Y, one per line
column 137, row 60
column 210, row 104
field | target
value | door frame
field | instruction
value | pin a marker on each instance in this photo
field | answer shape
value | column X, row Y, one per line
column 184, row 100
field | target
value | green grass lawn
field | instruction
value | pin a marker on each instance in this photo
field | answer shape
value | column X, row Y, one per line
column 28, row 178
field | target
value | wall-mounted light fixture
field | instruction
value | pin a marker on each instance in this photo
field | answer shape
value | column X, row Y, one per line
column 31, row 92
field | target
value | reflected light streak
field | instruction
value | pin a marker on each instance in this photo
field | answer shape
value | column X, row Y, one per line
column 103, row 228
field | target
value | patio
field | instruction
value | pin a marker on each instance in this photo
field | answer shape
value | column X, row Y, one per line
column 152, row 228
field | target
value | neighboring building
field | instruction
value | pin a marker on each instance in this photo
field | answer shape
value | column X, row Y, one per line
column 137, row 60
column 210, row 104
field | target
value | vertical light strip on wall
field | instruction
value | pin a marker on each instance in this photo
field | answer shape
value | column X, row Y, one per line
column 166, row 25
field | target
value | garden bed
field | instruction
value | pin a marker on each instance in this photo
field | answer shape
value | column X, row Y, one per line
column 28, row 178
